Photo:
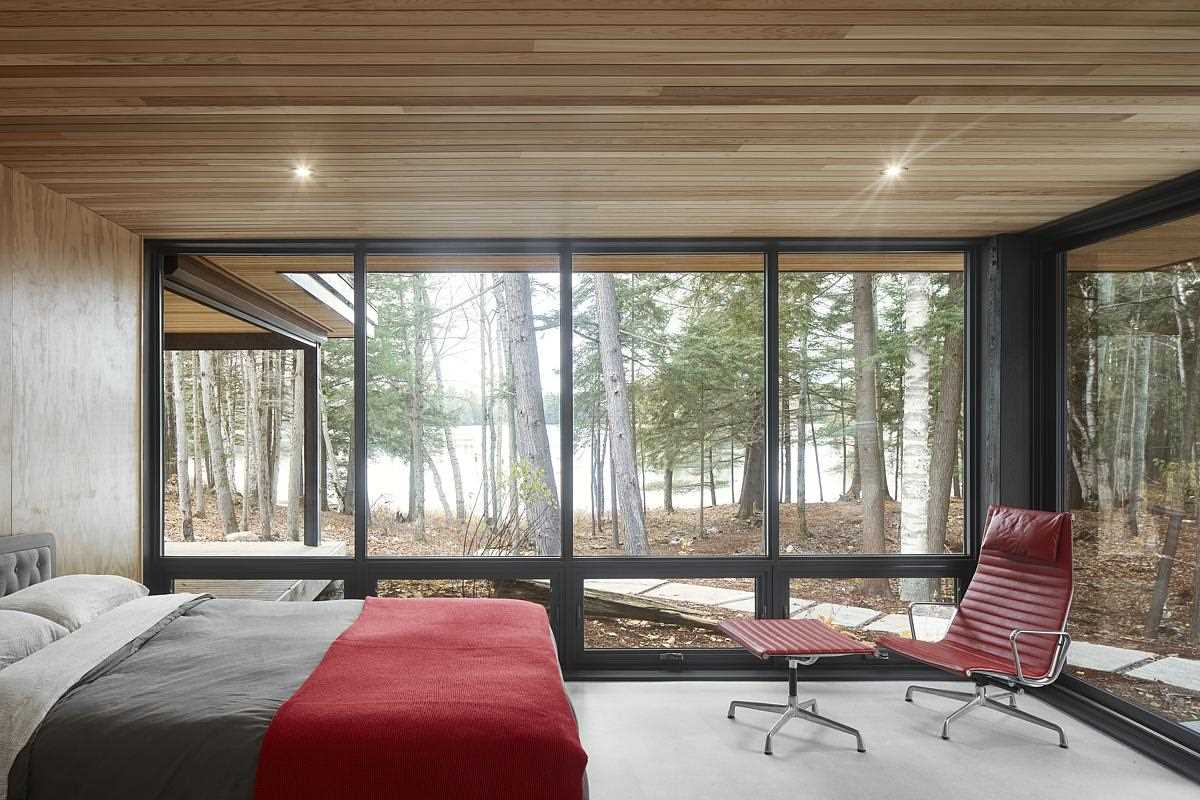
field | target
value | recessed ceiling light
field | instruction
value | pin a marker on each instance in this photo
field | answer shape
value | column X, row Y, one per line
column 302, row 172
column 893, row 170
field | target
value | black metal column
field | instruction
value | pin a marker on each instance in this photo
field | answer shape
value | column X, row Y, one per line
column 312, row 438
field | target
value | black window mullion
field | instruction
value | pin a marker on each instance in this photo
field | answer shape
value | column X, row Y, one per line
column 359, row 434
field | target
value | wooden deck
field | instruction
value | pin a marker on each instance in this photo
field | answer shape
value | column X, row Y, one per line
column 278, row 590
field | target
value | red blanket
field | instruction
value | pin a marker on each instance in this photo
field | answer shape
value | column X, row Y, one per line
column 429, row 700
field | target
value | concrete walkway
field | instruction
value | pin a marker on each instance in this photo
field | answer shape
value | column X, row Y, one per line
column 931, row 624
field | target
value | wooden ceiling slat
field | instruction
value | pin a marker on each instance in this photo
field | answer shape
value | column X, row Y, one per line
column 613, row 118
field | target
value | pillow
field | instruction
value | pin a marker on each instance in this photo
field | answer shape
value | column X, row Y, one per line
column 74, row 600
column 1027, row 533
column 24, row 634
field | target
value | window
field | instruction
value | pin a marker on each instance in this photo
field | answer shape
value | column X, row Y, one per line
column 868, row 608
column 462, row 406
column 871, row 373
column 662, row 613
column 669, row 455
column 1133, row 401
column 534, row 590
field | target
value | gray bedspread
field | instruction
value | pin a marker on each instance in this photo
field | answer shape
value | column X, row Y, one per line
column 182, row 717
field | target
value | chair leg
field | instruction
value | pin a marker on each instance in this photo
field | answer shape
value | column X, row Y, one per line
column 1013, row 711
column 784, row 719
column 975, row 702
column 953, row 695
column 812, row 716
column 775, row 708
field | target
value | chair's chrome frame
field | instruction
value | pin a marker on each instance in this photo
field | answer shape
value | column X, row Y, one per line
column 795, row 708
column 1015, row 683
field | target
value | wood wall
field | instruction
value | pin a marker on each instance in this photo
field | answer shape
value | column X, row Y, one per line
column 70, row 311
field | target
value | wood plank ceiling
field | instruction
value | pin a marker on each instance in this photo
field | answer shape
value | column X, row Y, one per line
column 455, row 118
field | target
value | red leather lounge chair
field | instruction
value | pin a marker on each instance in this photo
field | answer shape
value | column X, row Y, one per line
column 1009, row 629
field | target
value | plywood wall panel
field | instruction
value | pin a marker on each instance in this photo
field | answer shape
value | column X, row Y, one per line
column 74, row 407
column 6, row 287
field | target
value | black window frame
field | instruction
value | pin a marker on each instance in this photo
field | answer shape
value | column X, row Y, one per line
column 771, row 570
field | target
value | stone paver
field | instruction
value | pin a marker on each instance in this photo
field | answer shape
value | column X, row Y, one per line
column 1193, row 724
column 625, row 585
column 703, row 595
column 799, row 604
column 747, row 605
column 929, row 629
column 842, row 616
column 1182, row 672
column 1103, row 657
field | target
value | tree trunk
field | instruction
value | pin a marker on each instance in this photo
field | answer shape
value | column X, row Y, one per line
column 181, row 453
column 532, row 438
column 943, row 458
column 751, row 499
column 441, row 489
column 259, row 435
column 201, row 491
column 802, row 402
column 668, row 489
column 866, row 425
column 712, row 480
column 620, row 417
column 484, row 401
column 296, row 456
column 416, row 413
column 914, row 438
column 216, row 443
column 460, row 506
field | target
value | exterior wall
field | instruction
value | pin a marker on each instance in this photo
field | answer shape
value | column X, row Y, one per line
column 70, row 342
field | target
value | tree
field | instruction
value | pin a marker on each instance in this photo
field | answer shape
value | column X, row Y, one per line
column 216, row 443
column 175, row 361
column 296, row 458
column 201, row 491
column 612, row 364
column 914, row 483
column 259, row 434
column 866, row 424
column 530, row 434
column 944, row 452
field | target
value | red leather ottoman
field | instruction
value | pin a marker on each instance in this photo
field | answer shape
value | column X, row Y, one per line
column 802, row 642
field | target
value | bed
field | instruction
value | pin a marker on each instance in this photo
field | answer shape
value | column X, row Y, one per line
column 188, row 696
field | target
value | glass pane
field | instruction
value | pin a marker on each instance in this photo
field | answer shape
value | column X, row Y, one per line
column 869, row 608
column 535, row 590
column 462, row 396
column 662, row 613
column 233, row 435
column 270, row 589
column 871, row 361
column 1133, row 398
column 255, row 421
column 668, row 358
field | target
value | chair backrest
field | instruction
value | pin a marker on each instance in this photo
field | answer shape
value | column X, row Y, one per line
column 1023, row 581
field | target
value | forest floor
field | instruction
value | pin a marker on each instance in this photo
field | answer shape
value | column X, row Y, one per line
column 1114, row 576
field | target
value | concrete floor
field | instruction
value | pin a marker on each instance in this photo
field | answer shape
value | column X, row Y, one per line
column 669, row 740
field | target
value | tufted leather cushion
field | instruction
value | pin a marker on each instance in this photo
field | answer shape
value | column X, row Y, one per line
column 1021, row 532
column 1010, row 591
column 24, row 561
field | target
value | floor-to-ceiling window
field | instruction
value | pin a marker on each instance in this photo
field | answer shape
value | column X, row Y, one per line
column 646, row 438
column 1132, row 482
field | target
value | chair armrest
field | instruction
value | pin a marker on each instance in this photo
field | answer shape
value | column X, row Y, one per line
column 912, row 625
column 1056, row 665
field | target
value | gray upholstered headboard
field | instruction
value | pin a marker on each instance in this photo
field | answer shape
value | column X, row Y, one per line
column 25, row 559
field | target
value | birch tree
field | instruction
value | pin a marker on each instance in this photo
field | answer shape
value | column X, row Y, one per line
column 296, row 457
column 181, row 448
column 258, row 435
column 216, row 444
column 530, row 434
column 616, row 393
column 200, row 490
column 914, row 481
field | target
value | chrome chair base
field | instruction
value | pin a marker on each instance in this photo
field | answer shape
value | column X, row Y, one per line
column 794, row 709
column 981, row 699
